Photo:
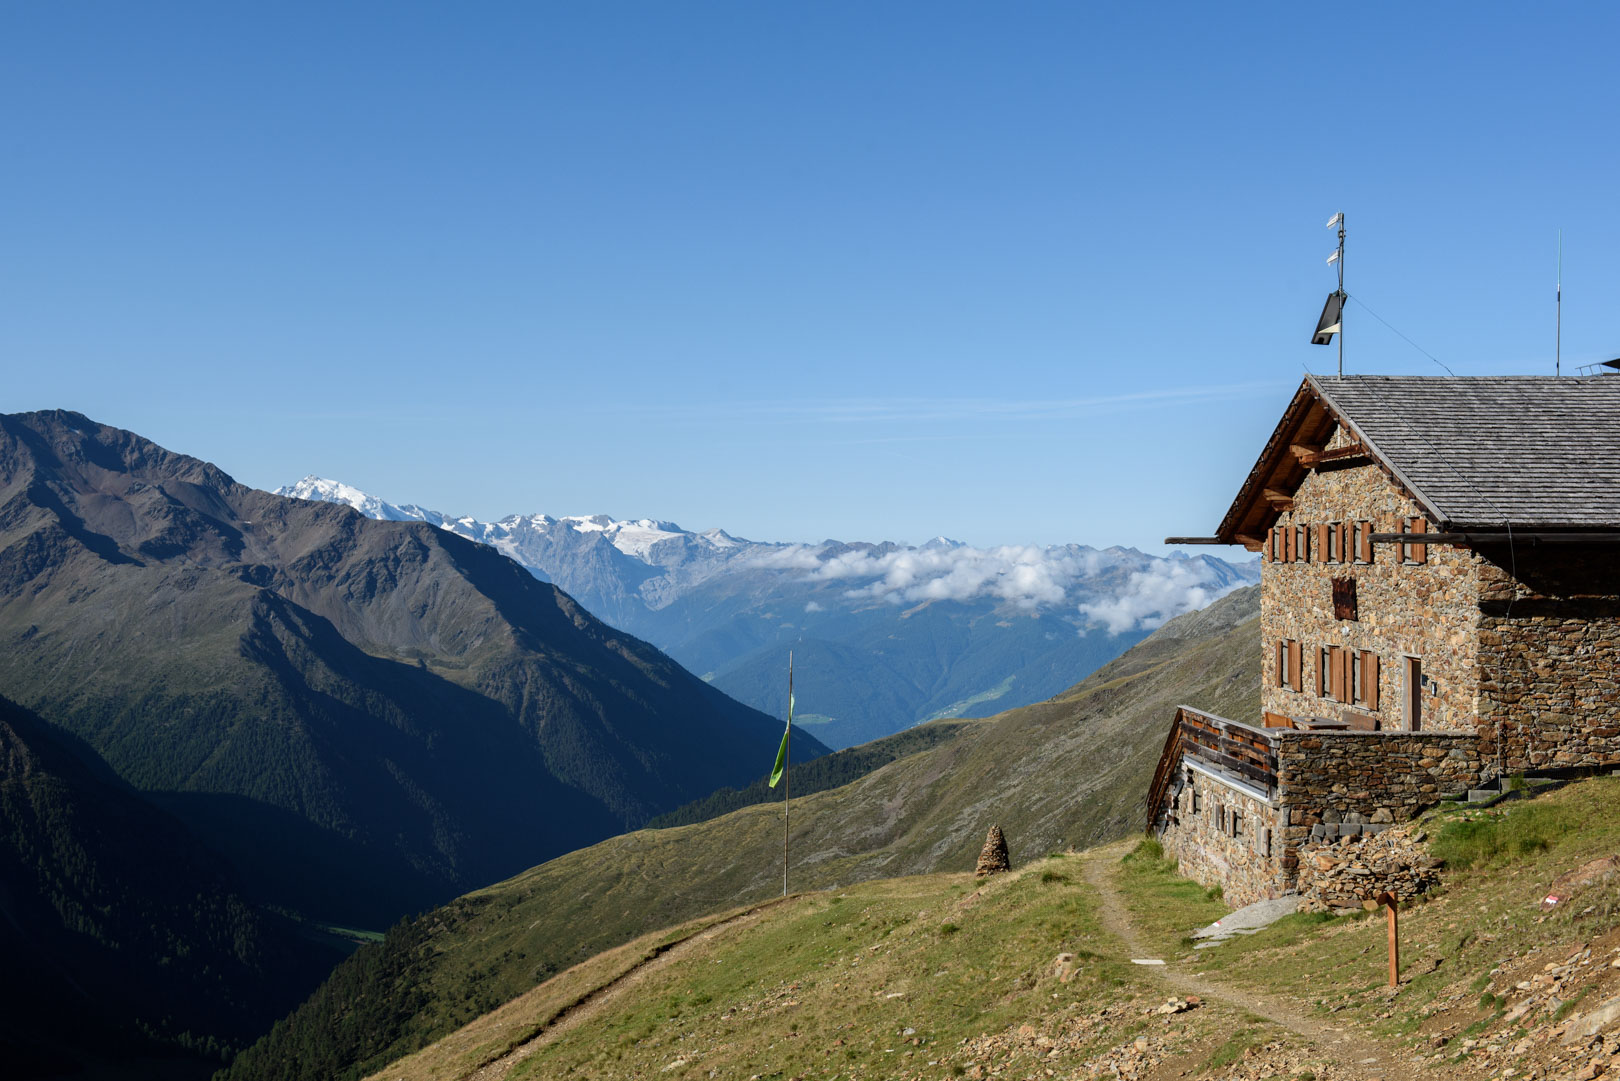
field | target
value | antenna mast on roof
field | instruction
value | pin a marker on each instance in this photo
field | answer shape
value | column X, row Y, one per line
column 1558, row 337
column 1332, row 321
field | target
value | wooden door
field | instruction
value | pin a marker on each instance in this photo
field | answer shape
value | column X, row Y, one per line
column 1411, row 694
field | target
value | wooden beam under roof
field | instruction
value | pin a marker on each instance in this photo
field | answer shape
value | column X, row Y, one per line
column 1311, row 459
column 1279, row 500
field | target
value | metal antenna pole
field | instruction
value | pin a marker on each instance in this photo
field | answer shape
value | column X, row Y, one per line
column 1341, row 295
column 1558, row 339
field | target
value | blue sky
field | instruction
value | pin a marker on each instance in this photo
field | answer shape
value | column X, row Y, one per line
column 1013, row 273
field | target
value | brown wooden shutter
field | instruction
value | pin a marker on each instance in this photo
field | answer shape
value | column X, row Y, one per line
column 1366, row 531
column 1294, row 679
column 1369, row 678
column 1289, row 544
column 1322, row 547
column 1420, row 552
column 1271, row 542
column 1337, row 665
column 1304, row 544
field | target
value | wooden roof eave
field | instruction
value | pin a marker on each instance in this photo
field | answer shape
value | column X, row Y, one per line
column 1252, row 515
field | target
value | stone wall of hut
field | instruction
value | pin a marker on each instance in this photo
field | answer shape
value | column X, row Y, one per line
column 1342, row 780
column 1221, row 835
column 1403, row 608
column 1549, row 654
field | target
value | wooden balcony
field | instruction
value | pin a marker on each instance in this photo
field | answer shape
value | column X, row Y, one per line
column 1241, row 751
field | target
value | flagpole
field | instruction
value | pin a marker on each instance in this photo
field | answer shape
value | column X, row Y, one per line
column 787, row 782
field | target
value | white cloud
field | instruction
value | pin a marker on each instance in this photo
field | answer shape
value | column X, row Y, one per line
column 1153, row 596
column 1141, row 591
column 1022, row 575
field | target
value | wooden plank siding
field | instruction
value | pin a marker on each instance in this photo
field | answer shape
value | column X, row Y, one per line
column 1241, row 751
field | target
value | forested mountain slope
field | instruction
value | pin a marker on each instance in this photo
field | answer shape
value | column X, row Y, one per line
column 126, row 945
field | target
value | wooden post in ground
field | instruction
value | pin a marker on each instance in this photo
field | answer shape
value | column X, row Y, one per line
column 1387, row 899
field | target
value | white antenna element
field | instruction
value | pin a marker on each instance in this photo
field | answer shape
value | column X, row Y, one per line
column 1336, row 219
column 1334, row 258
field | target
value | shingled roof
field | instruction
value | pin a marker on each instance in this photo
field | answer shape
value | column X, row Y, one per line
column 1477, row 453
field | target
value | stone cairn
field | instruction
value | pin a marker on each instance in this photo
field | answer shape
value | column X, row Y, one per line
column 993, row 856
column 1340, row 874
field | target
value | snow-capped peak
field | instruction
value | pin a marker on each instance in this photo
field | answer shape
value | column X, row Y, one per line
column 331, row 491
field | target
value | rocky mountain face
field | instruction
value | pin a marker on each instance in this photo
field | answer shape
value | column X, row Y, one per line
column 123, row 939
column 364, row 716
column 1069, row 772
column 884, row 635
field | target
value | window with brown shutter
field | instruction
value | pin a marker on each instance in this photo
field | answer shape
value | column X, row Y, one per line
column 1336, row 659
column 1302, row 536
column 1341, row 545
column 1288, row 544
column 1279, row 657
column 1364, row 532
column 1323, row 548
column 1294, row 680
column 1369, row 679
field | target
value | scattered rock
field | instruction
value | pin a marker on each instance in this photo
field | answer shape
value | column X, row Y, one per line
column 1593, row 1021
column 1339, row 874
column 993, row 856
column 1572, row 882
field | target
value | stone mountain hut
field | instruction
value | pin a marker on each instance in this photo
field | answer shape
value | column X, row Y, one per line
column 1440, row 609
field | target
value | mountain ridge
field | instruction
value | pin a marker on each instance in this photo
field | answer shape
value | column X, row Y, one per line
column 890, row 635
column 293, row 678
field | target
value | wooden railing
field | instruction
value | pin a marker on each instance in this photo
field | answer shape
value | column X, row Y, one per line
column 1240, row 750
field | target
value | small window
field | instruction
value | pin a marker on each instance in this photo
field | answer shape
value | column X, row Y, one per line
column 1237, row 825
column 1344, row 598
column 1286, row 657
column 1364, row 544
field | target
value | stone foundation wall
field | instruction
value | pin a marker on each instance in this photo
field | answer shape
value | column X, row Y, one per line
column 1549, row 655
column 1346, row 784
column 1427, row 610
column 1202, row 842
column 1331, row 778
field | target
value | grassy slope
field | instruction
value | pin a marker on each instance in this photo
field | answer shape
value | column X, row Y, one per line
column 939, row 976
column 1070, row 772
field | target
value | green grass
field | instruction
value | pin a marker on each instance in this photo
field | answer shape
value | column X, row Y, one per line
column 1232, row 1050
column 1163, row 905
column 1495, row 837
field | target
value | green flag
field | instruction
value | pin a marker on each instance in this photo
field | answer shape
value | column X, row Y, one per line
column 781, row 753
